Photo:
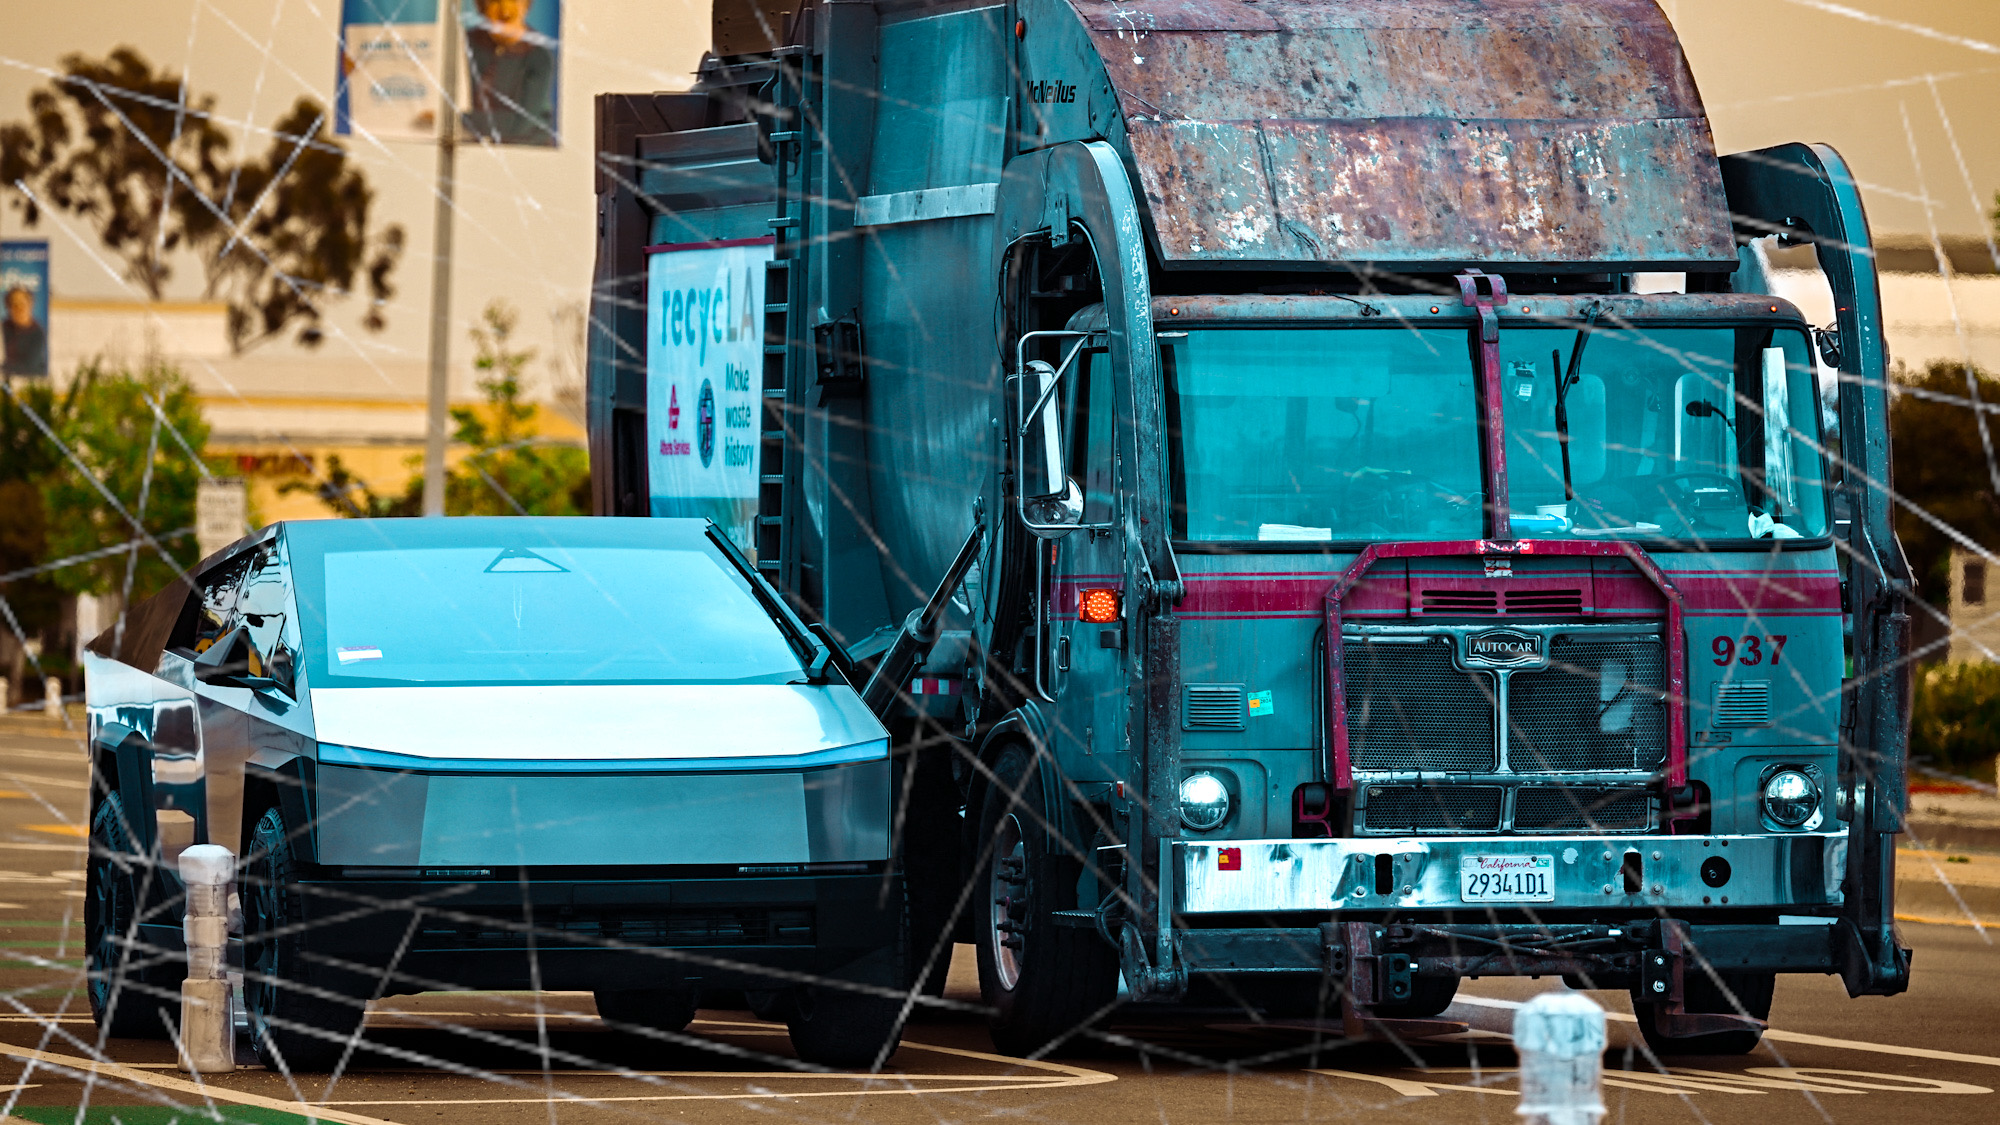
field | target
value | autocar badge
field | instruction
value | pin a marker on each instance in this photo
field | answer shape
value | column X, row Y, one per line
column 1503, row 648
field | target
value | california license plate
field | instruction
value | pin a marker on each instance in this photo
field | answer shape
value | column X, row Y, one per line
column 1507, row 878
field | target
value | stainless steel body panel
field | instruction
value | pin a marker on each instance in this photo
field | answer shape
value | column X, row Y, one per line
column 581, row 722
column 372, row 817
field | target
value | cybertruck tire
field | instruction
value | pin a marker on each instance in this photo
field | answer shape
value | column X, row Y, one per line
column 296, row 1023
column 1044, row 982
column 641, row 1010
column 845, row 1029
column 134, row 991
column 1752, row 991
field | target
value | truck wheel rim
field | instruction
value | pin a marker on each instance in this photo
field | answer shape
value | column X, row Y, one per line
column 1008, row 886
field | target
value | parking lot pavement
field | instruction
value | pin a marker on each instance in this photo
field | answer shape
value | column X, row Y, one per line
column 444, row 1059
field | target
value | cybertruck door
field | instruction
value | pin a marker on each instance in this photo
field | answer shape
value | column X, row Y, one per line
column 1805, row 194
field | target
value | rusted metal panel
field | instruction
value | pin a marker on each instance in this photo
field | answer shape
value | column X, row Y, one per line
column 1423, row 132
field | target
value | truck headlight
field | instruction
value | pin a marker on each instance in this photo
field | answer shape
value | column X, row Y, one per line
column 1204, row 801
column 1790, row 798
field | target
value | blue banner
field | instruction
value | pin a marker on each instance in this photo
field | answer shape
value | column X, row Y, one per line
column 24, row 320
column 389, row 66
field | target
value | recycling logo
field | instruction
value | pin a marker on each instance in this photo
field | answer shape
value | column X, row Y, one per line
column 704, row 423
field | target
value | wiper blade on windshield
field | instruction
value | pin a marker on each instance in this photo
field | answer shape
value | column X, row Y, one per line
column 1565, row 379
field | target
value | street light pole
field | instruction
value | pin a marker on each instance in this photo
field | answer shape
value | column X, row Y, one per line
column 438, row 413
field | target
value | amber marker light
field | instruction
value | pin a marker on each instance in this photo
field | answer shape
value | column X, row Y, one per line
column 1098, row 607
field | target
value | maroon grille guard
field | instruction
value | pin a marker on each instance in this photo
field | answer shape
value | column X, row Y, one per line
column 1340, row 770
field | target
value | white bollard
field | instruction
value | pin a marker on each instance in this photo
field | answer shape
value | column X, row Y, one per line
column 1560, row 1038
column 52, row 705
column 208, row 1031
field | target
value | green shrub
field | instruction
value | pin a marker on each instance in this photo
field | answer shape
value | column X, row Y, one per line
column 1955, row 722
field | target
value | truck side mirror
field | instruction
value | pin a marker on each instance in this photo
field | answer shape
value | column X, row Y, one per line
column 1051, row 503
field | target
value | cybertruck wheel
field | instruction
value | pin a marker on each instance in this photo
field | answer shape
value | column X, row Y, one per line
column 647, row 1009
column 296, row 1025
column 1752, row 993
column 134, row 991
column 1044, row 982
column 842, row 1028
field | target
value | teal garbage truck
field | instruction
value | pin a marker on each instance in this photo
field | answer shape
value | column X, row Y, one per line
column 1321, row 490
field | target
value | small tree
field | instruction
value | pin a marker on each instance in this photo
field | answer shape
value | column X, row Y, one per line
column 510, row 471
column 121, row 428
column 131, row 152
column 1941, row 468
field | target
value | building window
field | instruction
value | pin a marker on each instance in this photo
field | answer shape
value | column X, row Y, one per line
column 1974, row 590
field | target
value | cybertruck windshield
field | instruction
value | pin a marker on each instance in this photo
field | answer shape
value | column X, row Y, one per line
column 487, row 607
column 1677, row 435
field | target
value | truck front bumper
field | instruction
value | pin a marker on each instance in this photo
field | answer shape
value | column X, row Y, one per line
column 1611, row 875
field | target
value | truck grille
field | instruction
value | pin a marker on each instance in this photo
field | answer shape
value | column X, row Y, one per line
column 1460, row 808
column 1599, row 705
column 1409, row 708
column 1584, row 810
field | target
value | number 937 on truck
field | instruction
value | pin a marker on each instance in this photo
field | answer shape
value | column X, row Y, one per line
column 1324, row 491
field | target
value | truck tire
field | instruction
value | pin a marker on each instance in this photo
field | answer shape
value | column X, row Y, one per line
column 1753, row 991
column 1044, row 982
column 647, row 1009
column 293, row 1023
column 134, row 992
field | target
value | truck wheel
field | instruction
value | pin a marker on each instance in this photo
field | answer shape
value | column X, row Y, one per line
column 294, row 1024
column 1752, row 991
column 1428, row 997
column 647, row 1009
column 842, row 1028
column 134, row 991
column 1043, row 981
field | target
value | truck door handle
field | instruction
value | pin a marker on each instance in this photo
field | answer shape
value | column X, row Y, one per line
column 1062, row 653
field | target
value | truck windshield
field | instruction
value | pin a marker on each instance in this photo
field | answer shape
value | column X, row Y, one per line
column 1304, row 434
column 1370, row 434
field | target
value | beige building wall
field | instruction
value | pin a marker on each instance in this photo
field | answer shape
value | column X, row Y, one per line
column 278, row 419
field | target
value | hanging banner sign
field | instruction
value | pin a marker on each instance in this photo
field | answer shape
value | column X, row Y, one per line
column 513, row 59
column 24, row 308
column 389, row 63
column 704, row 365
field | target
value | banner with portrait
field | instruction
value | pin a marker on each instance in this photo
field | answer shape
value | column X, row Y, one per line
column 24, row 308
column 512, row 67
column 704, row 373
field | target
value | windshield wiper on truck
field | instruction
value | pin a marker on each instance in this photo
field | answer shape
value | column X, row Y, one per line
column 1565, row 379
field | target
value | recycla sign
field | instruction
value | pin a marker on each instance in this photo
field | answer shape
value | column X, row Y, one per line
column 704, row 344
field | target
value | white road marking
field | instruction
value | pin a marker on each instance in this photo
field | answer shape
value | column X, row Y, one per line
column 82, row 1066
column 1054, row 1076
column 1790, row 1037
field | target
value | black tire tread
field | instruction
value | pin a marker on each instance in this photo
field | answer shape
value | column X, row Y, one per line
column 308, row 1030
column 142, row 1000
column 1070, row 975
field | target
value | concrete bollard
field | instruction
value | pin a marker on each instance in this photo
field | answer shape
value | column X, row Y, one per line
column 1560, row 1038
column 208, row 1029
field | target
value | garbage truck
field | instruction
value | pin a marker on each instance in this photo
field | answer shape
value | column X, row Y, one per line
column 1322, row 491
